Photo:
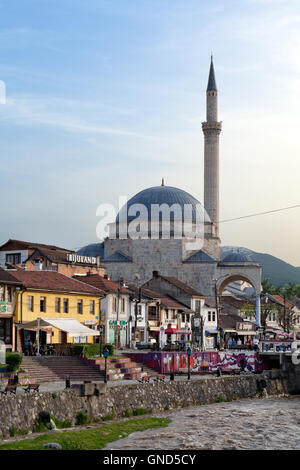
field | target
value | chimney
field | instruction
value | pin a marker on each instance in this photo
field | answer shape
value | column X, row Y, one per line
column 98, row 261
column 155, row 273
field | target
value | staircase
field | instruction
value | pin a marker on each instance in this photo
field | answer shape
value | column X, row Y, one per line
column 57, row 368
column 145, row 369
column 119, row 368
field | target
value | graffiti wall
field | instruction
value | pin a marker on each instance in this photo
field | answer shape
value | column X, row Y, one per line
column 168, row 362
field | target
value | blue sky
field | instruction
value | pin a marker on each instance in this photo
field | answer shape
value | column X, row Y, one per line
column 104, row 98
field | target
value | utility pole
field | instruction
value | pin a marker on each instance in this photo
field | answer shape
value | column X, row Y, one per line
column 217, row 311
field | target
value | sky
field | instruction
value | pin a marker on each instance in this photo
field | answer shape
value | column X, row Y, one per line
column 106, row 97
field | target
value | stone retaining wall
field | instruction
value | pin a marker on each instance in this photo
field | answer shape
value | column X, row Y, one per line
column 21, row 411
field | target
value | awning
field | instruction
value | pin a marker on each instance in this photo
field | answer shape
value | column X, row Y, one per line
column 246, row 333
column 171, row 331
column 70, row 325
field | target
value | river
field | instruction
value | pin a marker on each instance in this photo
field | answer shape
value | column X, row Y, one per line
column 268, row 423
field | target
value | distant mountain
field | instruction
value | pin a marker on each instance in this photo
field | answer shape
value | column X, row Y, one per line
column 277, row 270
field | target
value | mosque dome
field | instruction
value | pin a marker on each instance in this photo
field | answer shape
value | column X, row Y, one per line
column 93, row 249
column 189, row 206
column 236, row 257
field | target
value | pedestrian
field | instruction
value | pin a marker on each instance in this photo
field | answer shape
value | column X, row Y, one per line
column 233, row 342
column 239, row 342
column 229, row 343
column 256, row 344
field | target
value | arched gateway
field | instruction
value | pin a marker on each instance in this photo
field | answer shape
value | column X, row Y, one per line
column 237, row 267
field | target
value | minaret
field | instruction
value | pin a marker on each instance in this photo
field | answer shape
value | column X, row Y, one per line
column 211, row 129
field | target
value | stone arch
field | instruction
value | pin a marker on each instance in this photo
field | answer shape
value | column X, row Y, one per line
column 250, row 274
column 227, row 279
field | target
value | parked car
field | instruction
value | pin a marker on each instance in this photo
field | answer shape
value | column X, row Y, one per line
column 150, row 344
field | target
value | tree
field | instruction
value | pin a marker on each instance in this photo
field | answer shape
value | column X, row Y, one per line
column 248, row 311
column 267, row 286
column 286, row 318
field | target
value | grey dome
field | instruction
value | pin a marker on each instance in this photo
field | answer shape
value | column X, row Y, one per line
column 163, row 195
column 93, row 249
column 236, row 257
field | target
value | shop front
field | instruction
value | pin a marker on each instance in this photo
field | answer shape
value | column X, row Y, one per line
column 118, row 331
column 211, row 336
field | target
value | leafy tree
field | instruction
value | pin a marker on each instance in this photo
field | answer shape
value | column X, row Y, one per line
column 267, row 286
column 249, row 310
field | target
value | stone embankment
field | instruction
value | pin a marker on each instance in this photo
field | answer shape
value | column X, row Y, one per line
column 20, row 412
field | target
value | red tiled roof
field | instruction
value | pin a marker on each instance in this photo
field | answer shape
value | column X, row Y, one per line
column 281, row 300
column 181, row 285
column 19, row 245
column 169, row 302
column 53, row 281
column 106, row 285
column 6, row 276
column 147, row 292
column 165, row 300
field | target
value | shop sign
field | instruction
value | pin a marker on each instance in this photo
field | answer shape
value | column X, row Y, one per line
column 90, row 322
column 245, row 326
column 73, row 258
column 2, row 307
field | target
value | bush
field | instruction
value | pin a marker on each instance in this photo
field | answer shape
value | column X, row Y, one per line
column 77, row 349
column 110, row 347
column 82, row 418
column 61, row 424
column 141, row 411
column 108, row 417
column 91, row 350
column 13, row 361
column 128, row 413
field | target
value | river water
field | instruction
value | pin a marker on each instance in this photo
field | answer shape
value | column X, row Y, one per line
column 268, row 423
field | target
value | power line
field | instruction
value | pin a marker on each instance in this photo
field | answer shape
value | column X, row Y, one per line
column 259, row 213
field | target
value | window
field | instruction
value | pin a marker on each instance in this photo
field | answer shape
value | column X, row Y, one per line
column 9, row 294
column 114, row 304
column 14, row 258
column 187, row 317
column 209, row 316
column 92, row 307
column 198, row 306
column 43, row 304
column 30, row 303
column 122, row 305
column 66, row 305
column 57, row 305
column 79, row 306
column 213, row 316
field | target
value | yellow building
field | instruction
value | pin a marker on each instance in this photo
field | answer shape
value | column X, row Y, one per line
column 50, row 297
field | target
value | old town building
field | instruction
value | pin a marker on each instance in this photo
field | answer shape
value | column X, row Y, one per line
column 59, row 304
column 9, row 288
column 37, row 256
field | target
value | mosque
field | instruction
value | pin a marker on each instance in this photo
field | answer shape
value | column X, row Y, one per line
column 193, row 260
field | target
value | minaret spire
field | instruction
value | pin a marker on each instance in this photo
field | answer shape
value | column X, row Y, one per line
column 211, row 84
column 211, row 129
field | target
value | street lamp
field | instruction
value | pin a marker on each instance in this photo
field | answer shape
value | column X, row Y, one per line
column 105, row 353
column 189, row 352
